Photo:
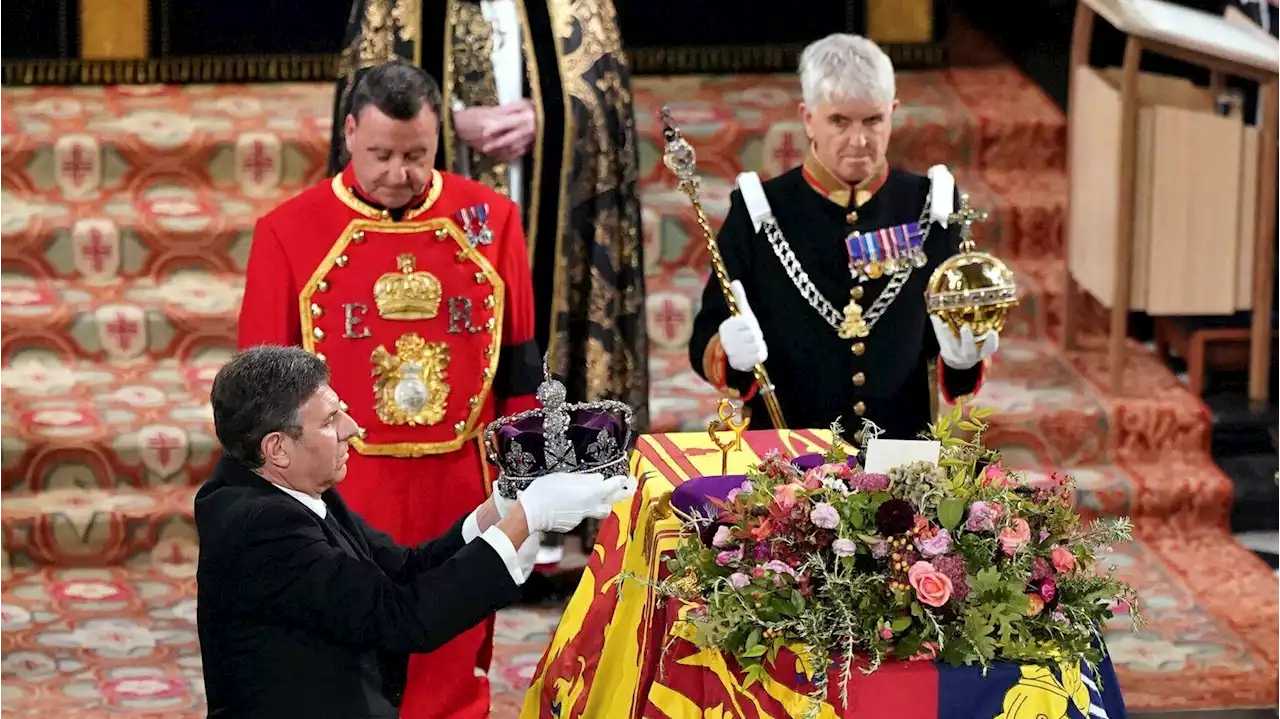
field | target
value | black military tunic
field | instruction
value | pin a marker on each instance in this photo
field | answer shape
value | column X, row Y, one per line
column 818, row 375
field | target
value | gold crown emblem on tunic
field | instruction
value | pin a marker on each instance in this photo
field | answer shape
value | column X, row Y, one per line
column 972, row 288
column 408, row 294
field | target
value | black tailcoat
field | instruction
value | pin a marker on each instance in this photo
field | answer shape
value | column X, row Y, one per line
column 818, row 375
column 310, row 617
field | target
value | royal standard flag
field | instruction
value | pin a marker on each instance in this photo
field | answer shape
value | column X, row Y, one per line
column 620, row 652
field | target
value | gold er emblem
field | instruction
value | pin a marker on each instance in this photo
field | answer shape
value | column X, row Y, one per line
column 409, row 387
column 854, row 326
column 407, row 294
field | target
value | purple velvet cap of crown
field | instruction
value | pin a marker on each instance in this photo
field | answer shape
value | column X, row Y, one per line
column 584, row 429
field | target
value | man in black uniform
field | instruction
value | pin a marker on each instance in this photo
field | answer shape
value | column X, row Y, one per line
column 834, row 257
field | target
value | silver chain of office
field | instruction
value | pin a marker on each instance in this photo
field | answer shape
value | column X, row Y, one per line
column 821, row 304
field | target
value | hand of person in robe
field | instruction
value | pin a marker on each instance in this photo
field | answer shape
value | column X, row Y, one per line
column 504, row 132
column 966, row 351
column 740, row 335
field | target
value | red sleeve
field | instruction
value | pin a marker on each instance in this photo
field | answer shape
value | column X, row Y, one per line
column 957, row 384
column 269, row 311
column 519, row 361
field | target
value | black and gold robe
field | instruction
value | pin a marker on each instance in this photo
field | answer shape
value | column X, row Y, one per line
column 581, row 203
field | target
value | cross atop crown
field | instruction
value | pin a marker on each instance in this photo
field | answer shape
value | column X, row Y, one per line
column 965, row 216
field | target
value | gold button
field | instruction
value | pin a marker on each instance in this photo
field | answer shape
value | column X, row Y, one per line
column 322, row 286
column 473, row 401
column 357, row 236
column 340, row 260
column 489, row 302
column 859, row 409
column 442, row 234
column 460, row 426
column 384, row 214
column 461, row 256
column 857, row 292
column 480, row 278
column 317, row 333
column 316, row 311
column 859, row 379
column 852, row 217
column 859, row 348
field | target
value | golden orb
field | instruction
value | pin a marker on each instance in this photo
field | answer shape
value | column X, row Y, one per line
column 971, row 289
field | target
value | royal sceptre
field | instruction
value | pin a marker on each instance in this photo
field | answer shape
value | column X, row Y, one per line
column 680, row 158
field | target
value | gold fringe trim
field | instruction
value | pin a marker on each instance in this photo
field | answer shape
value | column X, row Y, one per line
column 772, row 58
column 172, row 70
column 325, row 67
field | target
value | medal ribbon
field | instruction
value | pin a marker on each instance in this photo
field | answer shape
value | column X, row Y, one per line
column 896, row 243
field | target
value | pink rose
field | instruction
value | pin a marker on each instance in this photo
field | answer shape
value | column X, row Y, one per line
column 1013, row 537
column 1063, row 560
column 785, row 495
column 994, row 475
column 813, row 478
column 932, row 587
column 928, row 650
column 724, row 559
column 886, row 633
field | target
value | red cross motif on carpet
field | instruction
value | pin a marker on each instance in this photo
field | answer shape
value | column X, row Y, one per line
column 78, row 165
column 787, row 153
column 164, row 449
column 671, row 319
column 121, row 330
column 258, row 162
column 96, row 247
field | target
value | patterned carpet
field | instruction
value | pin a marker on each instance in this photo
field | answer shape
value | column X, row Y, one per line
column 127, row 215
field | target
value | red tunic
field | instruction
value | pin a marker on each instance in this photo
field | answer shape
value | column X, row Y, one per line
column 425, row 317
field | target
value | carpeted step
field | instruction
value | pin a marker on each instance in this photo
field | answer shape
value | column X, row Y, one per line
column 153, row 228
column 186, row 314
column 81, row 425
column 984, row 117
column 74, row 526
column 79, row 144
column 98, row 632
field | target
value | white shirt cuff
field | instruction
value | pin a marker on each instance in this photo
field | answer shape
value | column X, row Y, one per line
column 505, row 549
column 471, row 528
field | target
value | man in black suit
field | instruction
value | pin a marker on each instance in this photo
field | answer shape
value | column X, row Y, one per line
column 306, row 611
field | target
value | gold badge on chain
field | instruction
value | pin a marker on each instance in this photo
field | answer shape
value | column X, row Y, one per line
column 854, row 326
column 409, row 386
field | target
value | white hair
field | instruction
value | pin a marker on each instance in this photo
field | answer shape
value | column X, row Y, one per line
column 845, row 67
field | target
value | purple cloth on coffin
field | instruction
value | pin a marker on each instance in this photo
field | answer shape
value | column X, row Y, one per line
column 692, row 496
column 584, row 428
column 806, row 462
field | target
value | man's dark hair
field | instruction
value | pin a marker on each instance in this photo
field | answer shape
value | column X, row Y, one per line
column 398, row 89
column 260, row 391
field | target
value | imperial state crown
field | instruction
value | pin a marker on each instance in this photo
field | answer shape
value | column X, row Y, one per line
column 408, row 294
column 581, row 438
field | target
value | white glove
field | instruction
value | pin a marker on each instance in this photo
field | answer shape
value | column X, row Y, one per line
column 559, row 502
column 740, row 335
column 527, row 555
column 503, row 505
column 963, row 352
